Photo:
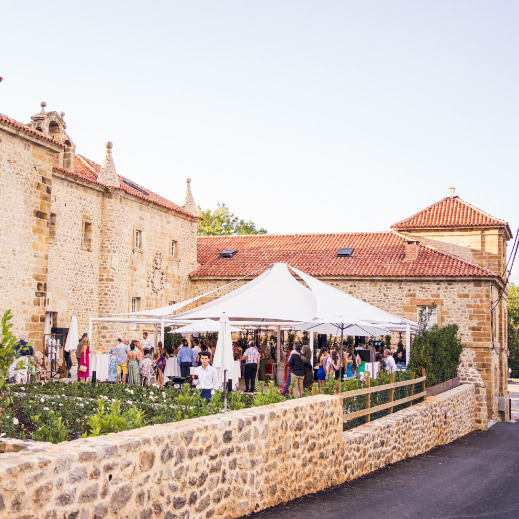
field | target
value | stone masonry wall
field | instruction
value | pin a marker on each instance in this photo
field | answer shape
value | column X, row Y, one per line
column 464, row 302
column 25, row 199
column 73, row 279
column 222, row 466
column 103, row 276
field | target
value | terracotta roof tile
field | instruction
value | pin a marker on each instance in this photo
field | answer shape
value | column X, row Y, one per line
column 377, row 254
column 28, row 129
column 449, row 212
column 89, row 170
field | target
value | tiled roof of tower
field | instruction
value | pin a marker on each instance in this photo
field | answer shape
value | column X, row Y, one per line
column 89, row 170
column 450, row 212
column 375, row 254
column 28, row 129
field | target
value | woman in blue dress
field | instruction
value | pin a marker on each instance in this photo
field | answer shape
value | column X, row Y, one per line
column 112, row 369
column 321, row 372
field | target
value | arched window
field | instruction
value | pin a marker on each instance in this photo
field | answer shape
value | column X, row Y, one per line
column 53, row 129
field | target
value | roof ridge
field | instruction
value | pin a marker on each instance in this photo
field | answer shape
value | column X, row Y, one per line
column 448, row 254
column 422, row 211
column 481, row 211
column 123, row 186
column 298, row 234
column 422, row 216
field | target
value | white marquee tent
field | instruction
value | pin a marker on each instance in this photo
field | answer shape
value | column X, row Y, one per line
column 274, row 298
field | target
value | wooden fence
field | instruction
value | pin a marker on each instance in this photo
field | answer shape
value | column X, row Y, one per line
column 368, row 391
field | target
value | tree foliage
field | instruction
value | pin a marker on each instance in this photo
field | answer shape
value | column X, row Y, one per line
column 8, row 349
column 513, row 329
column 437, row 350
column 221, row 222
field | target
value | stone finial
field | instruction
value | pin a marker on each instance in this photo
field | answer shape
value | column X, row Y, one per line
column 189, row 202
column 40, row 116
column 108, row 175
column 452, row 192
column 62, row 114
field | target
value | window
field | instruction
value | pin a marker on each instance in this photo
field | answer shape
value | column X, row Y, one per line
column 138, row 239
column 173, row 248
column 136, row 303
column 86, row 239
column 52, row 228
column 428, row 315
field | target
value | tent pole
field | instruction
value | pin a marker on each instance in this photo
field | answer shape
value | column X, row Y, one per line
column 312, row 347
column 278, row 359
column 162, row 331
column 155, row 345
column 340, row 358
column 407, row 344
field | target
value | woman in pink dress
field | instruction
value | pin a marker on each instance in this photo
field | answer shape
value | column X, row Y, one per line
column 83, row 374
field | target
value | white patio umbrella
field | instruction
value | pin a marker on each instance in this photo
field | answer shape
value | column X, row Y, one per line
column 203, row 326
column 339, row 325
column 335, row 325
column 223, row 356
column 72, row 336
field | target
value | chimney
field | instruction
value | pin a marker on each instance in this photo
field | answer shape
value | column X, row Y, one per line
column 452, row 192
column 412, row 248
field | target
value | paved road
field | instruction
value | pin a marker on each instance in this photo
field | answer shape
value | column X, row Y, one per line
column 475, row 477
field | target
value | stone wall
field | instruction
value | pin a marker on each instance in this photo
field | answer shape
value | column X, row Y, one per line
column 470, row 375
column 222, row 466
column 73, row 278
column 103, row 276
column 25, row 197
column 464, row 302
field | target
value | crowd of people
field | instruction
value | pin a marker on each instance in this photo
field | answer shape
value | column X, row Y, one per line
column 136, row 362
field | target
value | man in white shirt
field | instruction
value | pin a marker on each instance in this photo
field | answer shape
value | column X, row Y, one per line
column 390, row 362
column 207, row 377
column 145, row 343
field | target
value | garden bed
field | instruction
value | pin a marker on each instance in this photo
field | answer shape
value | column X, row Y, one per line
column 57, row 411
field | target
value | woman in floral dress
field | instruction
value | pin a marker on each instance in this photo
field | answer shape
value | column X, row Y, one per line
column 112, row 369
column 133, row 366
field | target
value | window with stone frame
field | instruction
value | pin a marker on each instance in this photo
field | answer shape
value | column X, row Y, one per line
column 427, row 315
column 137, row 239
column 87, row 235
column 135, row 307
column 174, row 249
column 52, row 228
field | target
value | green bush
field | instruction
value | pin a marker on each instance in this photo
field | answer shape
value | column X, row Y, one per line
column 438, row 351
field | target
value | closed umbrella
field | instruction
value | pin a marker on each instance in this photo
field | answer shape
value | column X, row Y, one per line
column 223, row 356
column 72, row 336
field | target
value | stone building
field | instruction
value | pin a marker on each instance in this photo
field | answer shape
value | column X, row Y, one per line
column 76, row 237
column 446, row 261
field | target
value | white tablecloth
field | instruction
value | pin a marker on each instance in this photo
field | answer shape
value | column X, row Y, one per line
column 100, row 364
column 172, row 368
column 234, row 375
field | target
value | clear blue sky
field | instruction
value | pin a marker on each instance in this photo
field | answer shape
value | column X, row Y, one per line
column 305, row 116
